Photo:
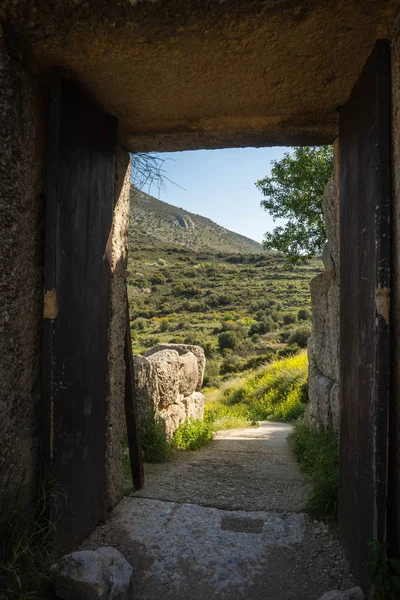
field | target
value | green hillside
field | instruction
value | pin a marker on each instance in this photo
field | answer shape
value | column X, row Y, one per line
column 154, row 221
column 243, row 308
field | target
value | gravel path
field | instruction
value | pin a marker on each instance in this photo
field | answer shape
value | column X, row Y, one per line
column 226, row 522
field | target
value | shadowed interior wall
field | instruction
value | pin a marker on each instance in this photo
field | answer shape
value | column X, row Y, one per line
column 394, row 418
column 119, row 260
column 22, row 141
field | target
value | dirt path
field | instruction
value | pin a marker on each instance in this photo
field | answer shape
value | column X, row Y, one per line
column 226, row 522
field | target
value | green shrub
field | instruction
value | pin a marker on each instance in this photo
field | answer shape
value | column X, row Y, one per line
column 317, row 452
column 304, row 314
column 300, row 336
column 227, row 340
column 192, row 435
column 155, row 446
column 230, row 364
column 289, row 318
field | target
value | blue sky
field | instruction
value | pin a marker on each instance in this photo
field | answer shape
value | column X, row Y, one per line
column 219, row 184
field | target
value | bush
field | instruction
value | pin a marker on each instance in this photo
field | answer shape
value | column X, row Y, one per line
column 139, row 324
column 230, row 364
column 227, row 340
column 300, row 336
column 318, row 455
column 304, row 314
column 192, row 435
column 155, row 446
column 289, row 318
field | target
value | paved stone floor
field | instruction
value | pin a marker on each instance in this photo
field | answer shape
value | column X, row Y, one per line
column 226, row 522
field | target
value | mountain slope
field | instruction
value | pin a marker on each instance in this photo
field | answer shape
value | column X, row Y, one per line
column 158, row 223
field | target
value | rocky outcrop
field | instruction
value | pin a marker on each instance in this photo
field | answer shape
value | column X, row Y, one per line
column 323, row 345
column 188, row 373
column 103, row 574
column 166, row 366
column 194, row 406
column 166, row 379
column 183, row 349
column 146, row 385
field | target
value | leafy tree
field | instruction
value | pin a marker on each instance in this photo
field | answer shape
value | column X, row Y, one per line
column 294, row 192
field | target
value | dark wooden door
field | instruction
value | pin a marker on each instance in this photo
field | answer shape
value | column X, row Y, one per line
column 80, row 197
column 364, row 136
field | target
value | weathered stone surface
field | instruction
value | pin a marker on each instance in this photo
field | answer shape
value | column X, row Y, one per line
column 166, row 365
column 229, row 92
column 146, row 385
column 120, row 571
column 319, row 389
column 194, row 405
column 102, row 574
column 323, row 345
column 182, row 349
column 327, row 258
column 116, row 423
column 330, row 209
column 22, row 143
column 325, row 301
column 81, row 575
column 188, row 373
column 173, row 416
column 355, row 593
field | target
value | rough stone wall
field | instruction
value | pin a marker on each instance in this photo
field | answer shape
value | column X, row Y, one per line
column 323, row 345
column 119, row 260
column 166, row 380
column 208, row 62
column 22, row 142
column 394, row 418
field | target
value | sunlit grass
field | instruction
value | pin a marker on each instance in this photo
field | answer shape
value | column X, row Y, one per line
column 276, row 392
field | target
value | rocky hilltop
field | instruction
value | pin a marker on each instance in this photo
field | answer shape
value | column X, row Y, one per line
column 158, row 223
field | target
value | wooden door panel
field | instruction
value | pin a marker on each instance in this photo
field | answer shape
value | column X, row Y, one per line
column 364, row 135
column 80, row 198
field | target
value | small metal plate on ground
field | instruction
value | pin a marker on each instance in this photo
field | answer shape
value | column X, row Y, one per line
column 242, row 524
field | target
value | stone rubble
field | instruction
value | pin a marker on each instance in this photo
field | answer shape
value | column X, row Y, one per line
column 167, row 380
column 102, row 574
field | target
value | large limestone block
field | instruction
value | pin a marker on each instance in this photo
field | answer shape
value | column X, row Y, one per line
column 188, row 373
column 325, row 300
column 194, row 405
column 319, row 392
column 182, row 349
column 103, row 574
column 146, row 385
column 173, row 416
column 166, row 365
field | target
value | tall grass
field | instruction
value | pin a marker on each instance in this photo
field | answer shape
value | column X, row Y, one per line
column 275, row 392
column 192, row 435
column 318, row 454
column 155, row 446
column 26, row 549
